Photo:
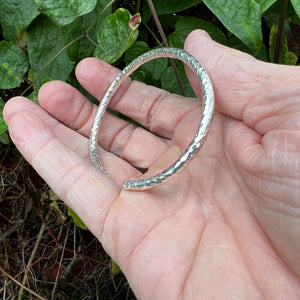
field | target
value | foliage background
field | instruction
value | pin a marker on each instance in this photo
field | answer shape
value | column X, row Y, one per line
column 41, row 249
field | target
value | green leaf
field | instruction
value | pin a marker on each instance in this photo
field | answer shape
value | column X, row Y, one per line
column 265, row 4
column 137, row 49
column 80, row 27
column 4, row 138
column 296, row 5
column 76, row 219
column 185, row 25
column 234, row 42
column 115, row 36
column 171, row 6
column 63, row 12
column 156, row 67
column 242, row 18
column 34, row 95
column 115, row 269
column 156, row 72
column 13, row 64
column 286, row 57
column 263, row 54
column 152, row 70
column 15, row 16
column 271, row 16
column 169, row 81
column 3, row 126
column 46, row 52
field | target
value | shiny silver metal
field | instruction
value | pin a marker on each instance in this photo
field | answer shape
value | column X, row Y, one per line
column 196, row 143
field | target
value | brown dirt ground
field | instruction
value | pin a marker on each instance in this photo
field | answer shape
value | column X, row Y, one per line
column 41, row 248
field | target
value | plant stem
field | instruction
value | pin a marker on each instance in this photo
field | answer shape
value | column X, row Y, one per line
column 47, row 227
column 90, row 39
column 37, row 243
column 56, row 55
column 100, row 13
column 165, row 42
column 153, row 34
column 20, row 284
column 138, row 6
column 280, row 30
column 60, row 263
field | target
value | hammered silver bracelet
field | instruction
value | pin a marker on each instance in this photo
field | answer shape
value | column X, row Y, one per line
column 196, row 143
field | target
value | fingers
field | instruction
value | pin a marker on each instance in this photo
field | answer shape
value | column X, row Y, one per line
column 70, row 107
column 151, row 107
column 83, row 187
column 116, row 167
column 246, row 89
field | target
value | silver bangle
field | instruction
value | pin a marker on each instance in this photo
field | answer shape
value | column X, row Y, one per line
column 196, row 143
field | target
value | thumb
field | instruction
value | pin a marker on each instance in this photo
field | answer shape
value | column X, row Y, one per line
column 246, row 89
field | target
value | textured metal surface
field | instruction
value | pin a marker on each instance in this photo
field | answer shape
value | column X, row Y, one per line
column 196, row 143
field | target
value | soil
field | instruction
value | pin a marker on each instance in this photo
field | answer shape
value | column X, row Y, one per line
column 41, row 248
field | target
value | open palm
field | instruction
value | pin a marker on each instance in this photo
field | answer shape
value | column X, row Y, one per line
column 227, row 227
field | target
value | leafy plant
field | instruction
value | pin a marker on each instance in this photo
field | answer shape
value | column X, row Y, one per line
column 76, row 219
column 3, row 126
column 13, row 64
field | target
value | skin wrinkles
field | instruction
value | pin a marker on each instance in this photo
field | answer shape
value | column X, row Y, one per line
column 165, row 210
column 87, row 119
column 264, row 193
column 163, row 121
column 135, row 154
column 153, row 108
column 282, row 140
column 262, row 211
column 188, row 260
column 275, row 119
column 259, row 284
column 83, row 117
column 142, row 108
column 243, row 257
column 188, row 274
column 274, row 181
column 218, row 166
column 124, row 133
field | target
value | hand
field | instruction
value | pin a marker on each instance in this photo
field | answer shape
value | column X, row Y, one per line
column 227, row 227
